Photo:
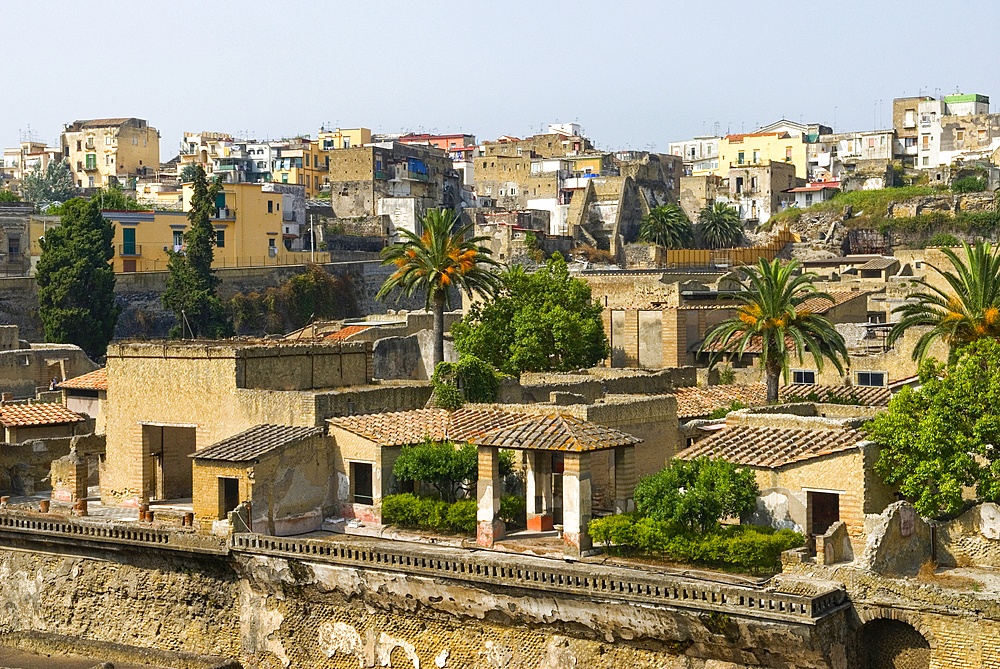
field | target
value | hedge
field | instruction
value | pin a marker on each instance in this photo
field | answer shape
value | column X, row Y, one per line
column 748, row 547
column 429, row 513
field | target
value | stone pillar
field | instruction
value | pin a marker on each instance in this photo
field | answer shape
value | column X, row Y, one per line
column 624, row 479
column 576, row 503
column 69, row 477
column 538, row 487
column 489, row 527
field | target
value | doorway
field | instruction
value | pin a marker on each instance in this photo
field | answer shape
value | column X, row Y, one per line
column 824, row 511
column 229, row 496
column 169, row 471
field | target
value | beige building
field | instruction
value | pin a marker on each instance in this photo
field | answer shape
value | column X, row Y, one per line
column 166, row 401
column 23, row 422
column 110, row 150
column 88, row 395
column 812, row 464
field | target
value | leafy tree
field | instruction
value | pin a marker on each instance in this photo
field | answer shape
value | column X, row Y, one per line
column 113, row 199
column 939, row 239
column 770, row 315
column 191, row 285
column 449, row 469
column 970, row 311
column 536, row 322
column 471, row 378
column 76, row 282
column 943, row 437
column 7, row 196
column 436, row 261
column 189, row 172
column 719, row 226
column 694, row 495
column 314, row 294
column 667, row 225
column 54, row 184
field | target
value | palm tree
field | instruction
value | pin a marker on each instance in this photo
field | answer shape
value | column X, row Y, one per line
column 667, row 225
column 434, row 262
column 719, row 226
column 969, row 312
column 771, row 316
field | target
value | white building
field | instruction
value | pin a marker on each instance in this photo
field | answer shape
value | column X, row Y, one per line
column 700, row 154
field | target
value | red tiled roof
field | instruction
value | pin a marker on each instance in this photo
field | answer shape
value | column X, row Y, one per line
column 556, row 432
column 772, row 447
column 14, row 415
column 412, row 427
column 697, row 401
column 872, row 396
column 95, row 380
column 346, row 332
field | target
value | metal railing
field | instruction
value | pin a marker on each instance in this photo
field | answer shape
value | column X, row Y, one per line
column 539, row 574
column 130, row 249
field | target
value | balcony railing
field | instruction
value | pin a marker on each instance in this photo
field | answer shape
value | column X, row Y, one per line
column 90, row 168
column 132, row 249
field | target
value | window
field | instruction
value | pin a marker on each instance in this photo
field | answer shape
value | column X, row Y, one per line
column 270, row 206
column 809, row 199
column 871, row 142
column 178, row 240
column 277, row 206
column 107, row 140
column 960, row 135
column 361, row 483
column 14, row 246
column 220, row 238
column 108, row 160
column 803, row 377
column 128, row 241
column 910, row 118
column 284, row 177
column 982, row 134
column 926, row 161
column 756, row 155
column 90, row 182
column 79, row 145
column 739, row 159
column 91, row 161
column 788, row 154
column 347, row 142
column 871, row 379
column 739, row 184
column 925, row 142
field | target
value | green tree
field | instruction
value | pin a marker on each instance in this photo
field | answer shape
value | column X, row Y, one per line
column 76, row 281
column 7, row 196
column 969, row 184
column 942, row 437
column 970, row 311
column 189, row 172
column 436, row 261
column 694, row 495
column 54, row 184
column 191, row 285
column 667, row 225
column 719, row 226
column 449, row 469
column 771, row 315
column 113, row 199
column 536, row 322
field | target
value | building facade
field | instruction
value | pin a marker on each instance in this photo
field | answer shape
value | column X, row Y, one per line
column 103, row 152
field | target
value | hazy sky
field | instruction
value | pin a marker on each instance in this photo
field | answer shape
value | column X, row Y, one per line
column 634, row 74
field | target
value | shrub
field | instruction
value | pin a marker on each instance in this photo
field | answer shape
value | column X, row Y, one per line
column 477, row 381
column 727, row 376
column 409, row 510
column 450, row 470
column 721, row 412
column 942, row 239
column 512, row 508
column 447, row 396
column 735, row 546
column 969, row 184
column 693, row 495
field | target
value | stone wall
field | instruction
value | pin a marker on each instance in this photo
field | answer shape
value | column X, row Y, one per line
column 275, row 612
column 972, row 539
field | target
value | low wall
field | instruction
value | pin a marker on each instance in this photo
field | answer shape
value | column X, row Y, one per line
column 971, row 540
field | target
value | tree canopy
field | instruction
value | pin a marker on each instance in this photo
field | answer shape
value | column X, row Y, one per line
column 945, row 435
column 191, row 285
column 719, row 226
column 53, row 184
column 771, row 315
column 667, row 225
column 536, row 322
column 449, row 469
column 695, row 494
column 436, row 261
column 76, row 281
column 969, row 311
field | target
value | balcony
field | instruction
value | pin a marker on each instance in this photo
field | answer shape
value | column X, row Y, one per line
column 381, row 175
column 414, row 176
column 130, row 249
column 90, row 168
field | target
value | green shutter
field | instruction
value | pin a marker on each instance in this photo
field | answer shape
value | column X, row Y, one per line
column 220, row 201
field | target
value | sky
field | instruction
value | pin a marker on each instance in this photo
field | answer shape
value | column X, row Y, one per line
column 635, row 74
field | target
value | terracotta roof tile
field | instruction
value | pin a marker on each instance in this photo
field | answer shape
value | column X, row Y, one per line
column 412, row 427
column 879, row 263
column 819, row 305
column 696, row 401
column 872, row 396
column 556, row 432
column 346, row 332
column 17, row 415
column 95, row 380
column 772, row 447
column 255, row 442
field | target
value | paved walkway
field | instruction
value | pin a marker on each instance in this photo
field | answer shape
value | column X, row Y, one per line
column 12, row 658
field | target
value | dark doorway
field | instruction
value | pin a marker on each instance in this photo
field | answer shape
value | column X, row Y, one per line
column 168, row 447
column 824, row 510
column 229, row 496
column 361, row 482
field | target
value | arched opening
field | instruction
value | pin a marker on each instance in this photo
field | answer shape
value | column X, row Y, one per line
column 891, row 644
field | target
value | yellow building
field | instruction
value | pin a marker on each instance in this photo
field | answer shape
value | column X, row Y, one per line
column 255, row 225
column 302, row 162
column 759, row 148
column 344, row 138
column 101, row 151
